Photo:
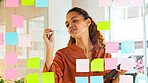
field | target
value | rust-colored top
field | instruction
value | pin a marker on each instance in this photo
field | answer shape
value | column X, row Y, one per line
column 64, row 64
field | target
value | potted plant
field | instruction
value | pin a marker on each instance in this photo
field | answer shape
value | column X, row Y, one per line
column 2, row 81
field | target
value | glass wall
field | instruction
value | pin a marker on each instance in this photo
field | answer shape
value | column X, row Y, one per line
column 35, row 20
column 127, row 23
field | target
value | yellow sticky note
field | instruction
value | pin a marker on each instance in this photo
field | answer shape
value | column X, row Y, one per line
column 105, row 25
column 48, row 77
column 97, row 64
column 32, row 78
column 28, row 2
column 33, row 63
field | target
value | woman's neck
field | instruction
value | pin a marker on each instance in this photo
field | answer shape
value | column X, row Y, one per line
column 84, row 43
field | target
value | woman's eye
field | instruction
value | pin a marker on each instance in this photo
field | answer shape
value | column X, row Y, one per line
column 75, row 21
column 67, row 25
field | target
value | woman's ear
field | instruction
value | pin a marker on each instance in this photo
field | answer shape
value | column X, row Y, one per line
column 88, row 22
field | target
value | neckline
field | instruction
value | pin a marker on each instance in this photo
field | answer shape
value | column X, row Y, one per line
column 77, row 48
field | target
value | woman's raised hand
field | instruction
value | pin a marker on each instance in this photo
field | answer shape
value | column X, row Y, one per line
column 48, row 37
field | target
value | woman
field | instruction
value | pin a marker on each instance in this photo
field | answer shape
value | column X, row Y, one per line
column 86, row 42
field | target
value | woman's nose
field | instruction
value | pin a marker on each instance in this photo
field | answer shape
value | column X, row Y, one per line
column 72, row 26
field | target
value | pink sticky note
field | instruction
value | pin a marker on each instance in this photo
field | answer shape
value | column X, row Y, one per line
column 126, row 79
column 111, row 63
column 82, row 65
column 127, row 64
column 11, row 73
column 120, row 2
column 135, row 3
column 12, row 3
column 17, row 21
column 11, row 59
column 105, row 3
column 112, row 47
column 1, row 38
column 24, row 40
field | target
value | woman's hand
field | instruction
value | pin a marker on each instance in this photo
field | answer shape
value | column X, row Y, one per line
column 120, row 72
column 48, row 38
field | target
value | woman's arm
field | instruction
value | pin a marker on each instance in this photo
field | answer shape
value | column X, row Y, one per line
column 49, row 58
column 49, row 41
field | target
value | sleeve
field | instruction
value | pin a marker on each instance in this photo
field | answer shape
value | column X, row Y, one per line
column 57, row 67
column 107, row 55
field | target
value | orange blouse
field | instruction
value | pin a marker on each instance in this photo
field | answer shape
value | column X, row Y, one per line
column 64, row 65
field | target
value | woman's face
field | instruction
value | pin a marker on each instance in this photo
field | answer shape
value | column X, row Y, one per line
column 76, row 25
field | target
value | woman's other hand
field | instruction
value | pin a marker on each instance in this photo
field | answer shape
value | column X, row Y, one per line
column 120, row 72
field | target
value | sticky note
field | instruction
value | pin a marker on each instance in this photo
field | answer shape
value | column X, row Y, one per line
column 135, row 3
column 126, row 79
column 24, row 40
column 48, row 77
column 11, row 59
column 12, row 3
column 105, row 25
column 111, row 63
column 27, row 2
column 17, row 21
column 105, row 3
column 120, row 2
column 112, row 47
column 1, row 38
column 127, row 64
column 32, row 78
column 81, row 79
column 141, row 79
column 41, row 3
column 127, row 47
column 82, row 65
column 96, row 79
column 11, row 73
column 11, row 38
column 33, row 63
column 97, row 64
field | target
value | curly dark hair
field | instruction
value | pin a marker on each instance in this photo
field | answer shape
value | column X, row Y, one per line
column 95, row 35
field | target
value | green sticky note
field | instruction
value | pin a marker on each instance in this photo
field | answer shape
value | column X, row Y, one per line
column 48, row 77
column 28, row 2
column 97, row 64
column 105, row 25
column 32, row 78
column 33, row 63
